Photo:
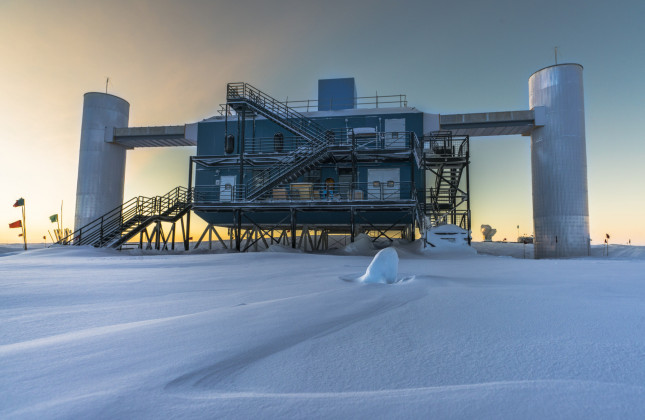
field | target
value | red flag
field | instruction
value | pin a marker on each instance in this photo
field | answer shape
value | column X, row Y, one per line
column 16, row 224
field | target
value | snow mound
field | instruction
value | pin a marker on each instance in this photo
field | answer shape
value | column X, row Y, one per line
column 5, row 251
column 505, row 249
column 13, row 249
column 519, row 250
column 362, row 245
column 60, row 251
column 283, row 249
column 620, row 252
column 384, row 268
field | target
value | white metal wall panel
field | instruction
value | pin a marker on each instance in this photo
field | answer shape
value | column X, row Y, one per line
column 101, row 165
column 559, row 163
column 383, row 184
column 395, row 132
column 227, row 188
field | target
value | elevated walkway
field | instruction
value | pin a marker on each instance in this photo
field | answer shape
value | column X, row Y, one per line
column 165, row 136
column 493, row 123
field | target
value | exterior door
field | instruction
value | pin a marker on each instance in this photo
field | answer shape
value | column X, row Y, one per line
column 227, row 188
column 383, row 184
column 395, row 133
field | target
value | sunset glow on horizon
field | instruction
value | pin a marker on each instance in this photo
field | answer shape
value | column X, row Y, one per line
column 171, row 61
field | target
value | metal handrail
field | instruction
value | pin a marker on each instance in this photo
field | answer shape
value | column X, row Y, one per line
column 353, row 103
column 416, row 147
column 131, row 214
column 360, row 102
column 312, row 152
column 445, row 146
column 218, row 194
column 309, row 191
column 378, row 140
column 295, row 120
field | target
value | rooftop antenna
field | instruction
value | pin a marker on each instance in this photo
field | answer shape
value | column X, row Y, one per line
column 556, row 56
column 107, row 80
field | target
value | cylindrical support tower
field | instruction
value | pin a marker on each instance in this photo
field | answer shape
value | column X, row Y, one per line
column 101, row 164
column 559, row 163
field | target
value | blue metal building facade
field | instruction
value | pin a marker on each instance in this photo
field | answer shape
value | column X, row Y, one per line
column 261, row 143
column 265, row 165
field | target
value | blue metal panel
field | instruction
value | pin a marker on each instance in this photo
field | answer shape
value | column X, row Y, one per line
column 259, row 138
column 211, row 134
column 336, row 94
column 328, row 218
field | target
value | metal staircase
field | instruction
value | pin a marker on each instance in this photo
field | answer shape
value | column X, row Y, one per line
column 444, row 158
column 444, row 196
column 119, row 225
column 243, row 97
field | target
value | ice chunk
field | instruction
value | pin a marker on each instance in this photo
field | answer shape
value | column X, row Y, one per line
column 383, row 268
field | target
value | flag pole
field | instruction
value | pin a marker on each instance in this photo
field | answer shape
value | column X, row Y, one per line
column 24, row 226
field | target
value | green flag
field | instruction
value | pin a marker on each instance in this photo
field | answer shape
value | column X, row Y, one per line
column 19, row 202
column 53, row 218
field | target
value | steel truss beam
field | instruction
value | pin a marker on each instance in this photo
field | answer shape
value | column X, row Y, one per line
column 260, row 232
column 210, row 229
column 383, row 232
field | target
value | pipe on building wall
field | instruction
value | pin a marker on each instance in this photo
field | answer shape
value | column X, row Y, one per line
column 559, row 163
column 101, row 164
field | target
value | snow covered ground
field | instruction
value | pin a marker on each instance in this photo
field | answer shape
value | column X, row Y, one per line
column 87, row 333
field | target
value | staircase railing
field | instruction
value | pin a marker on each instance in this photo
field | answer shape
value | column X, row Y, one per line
column 297, row 161
column 417, row 148
column 273, row 109
column 135, row 213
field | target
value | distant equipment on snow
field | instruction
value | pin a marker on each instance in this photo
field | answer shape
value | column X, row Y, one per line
column 488, row 232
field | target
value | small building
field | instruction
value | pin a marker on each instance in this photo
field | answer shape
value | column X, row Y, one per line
column 341, row 164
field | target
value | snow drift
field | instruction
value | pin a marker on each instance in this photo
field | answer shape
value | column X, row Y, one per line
column 93, row 334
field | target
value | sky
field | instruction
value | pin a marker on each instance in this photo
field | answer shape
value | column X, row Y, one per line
column 171, row 61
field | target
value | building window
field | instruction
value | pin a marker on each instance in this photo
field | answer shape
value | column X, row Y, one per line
column 278, row 142
column 229, row 144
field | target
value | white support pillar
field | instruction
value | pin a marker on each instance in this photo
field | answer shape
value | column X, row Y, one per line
column 101, row 164
column 559, row 163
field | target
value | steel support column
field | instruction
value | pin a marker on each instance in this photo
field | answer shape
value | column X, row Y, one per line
column 293, row 228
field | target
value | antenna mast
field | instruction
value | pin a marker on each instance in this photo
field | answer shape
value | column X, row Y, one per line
column 107, row 80
column 556, row 56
